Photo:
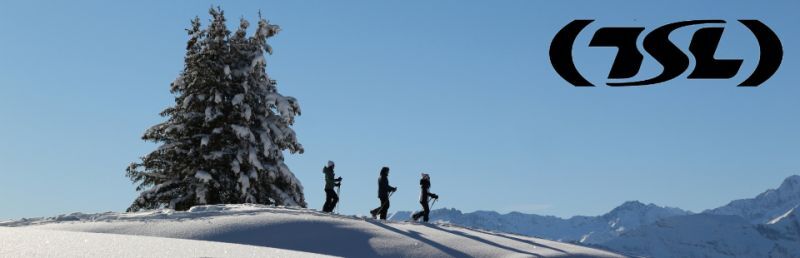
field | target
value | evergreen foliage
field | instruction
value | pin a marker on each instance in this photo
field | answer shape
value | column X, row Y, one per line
column 224, row 138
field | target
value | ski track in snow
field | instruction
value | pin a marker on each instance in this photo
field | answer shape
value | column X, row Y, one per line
column 301, row 230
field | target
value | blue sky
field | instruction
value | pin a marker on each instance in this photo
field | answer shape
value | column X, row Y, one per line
column 462, row 90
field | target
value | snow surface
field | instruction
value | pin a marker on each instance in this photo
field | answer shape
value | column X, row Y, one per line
column 302, row 230
column 29, row 242
column 782, row 217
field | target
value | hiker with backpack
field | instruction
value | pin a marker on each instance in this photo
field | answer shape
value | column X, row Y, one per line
column 331, row 198
column 425, row 194
column 384, row 190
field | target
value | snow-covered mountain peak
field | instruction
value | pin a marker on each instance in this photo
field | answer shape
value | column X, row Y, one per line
column 634, row 203
column 702, row 235
column 487, row 213
column 634, row 214
column 792, row 179
column 766, row 206
column 790, row 185
column 789, row 189
column 630, row 206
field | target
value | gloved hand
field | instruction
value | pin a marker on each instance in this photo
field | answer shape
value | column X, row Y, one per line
column 435, row 196
column 394, row 189
column 339, row 179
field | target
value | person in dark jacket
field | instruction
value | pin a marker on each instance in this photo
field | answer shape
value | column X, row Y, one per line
column 383, row 194
column 425, row 185
column 331, row 198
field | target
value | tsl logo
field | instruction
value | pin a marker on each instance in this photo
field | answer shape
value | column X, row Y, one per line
column 702, row 46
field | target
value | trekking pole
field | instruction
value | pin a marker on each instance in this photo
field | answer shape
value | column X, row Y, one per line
column 434, row 202
column 383, row 204
column 339, row 195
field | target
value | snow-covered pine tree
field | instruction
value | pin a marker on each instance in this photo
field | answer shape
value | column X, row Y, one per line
column 224, row 138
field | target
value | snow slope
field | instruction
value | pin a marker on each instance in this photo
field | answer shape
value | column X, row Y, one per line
column 310, row 231
column 786, row 227
column 27, row 242
column 584, row 229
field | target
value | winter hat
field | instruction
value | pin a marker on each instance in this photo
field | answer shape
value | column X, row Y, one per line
column 330, row 163
column 426, row 176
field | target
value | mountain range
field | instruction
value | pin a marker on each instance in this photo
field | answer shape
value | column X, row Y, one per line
column 764, row 226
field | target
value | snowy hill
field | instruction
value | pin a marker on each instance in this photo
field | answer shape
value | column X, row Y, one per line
column 275, row 230
column 767, row 205
column 26, row 242
column 584, row 229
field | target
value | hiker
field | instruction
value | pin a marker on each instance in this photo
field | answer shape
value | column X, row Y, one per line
column 331, row 198
column 425, row 185
column 383, row 194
